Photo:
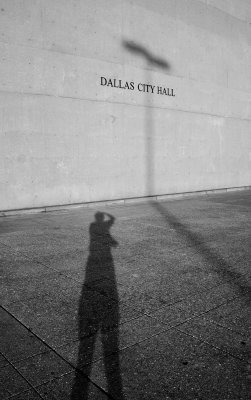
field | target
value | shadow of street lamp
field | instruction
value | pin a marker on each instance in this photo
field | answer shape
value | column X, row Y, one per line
column 151, row 62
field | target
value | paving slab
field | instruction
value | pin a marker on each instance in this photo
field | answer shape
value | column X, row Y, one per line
column 11, row 382
column 17, row 342
column 42, row 368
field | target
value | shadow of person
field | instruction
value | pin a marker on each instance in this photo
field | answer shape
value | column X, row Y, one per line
column 98, row 316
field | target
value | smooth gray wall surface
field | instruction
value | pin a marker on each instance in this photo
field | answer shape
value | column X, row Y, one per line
column 65, row 138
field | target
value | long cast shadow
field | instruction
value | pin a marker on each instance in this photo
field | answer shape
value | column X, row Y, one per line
column 151, row 62
column 98, row 315
column 218, row 264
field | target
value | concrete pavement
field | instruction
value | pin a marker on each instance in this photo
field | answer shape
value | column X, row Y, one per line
column 144, row 301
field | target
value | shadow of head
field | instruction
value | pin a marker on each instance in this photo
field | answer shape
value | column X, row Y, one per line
column 146, row 54
column 99, row 216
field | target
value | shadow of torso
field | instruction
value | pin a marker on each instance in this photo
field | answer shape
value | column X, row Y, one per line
column 100, row 276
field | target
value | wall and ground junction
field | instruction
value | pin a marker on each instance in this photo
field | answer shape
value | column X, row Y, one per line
column 65, row 138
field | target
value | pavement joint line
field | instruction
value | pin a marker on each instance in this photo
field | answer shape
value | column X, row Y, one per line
column 65, row 374
column 18, row 301
column 69, row 373
column 234, row 331
column 29, row 357
column 175, row 302
column 155, row 226
column 55, row 378
column 23, row 392
column 222, row 350
column 54, row 351
column 19, row 373
column 199, row 314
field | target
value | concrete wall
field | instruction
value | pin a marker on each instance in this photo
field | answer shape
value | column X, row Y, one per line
column 67, row 139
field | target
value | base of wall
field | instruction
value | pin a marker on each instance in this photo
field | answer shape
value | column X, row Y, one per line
column 133, row 200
